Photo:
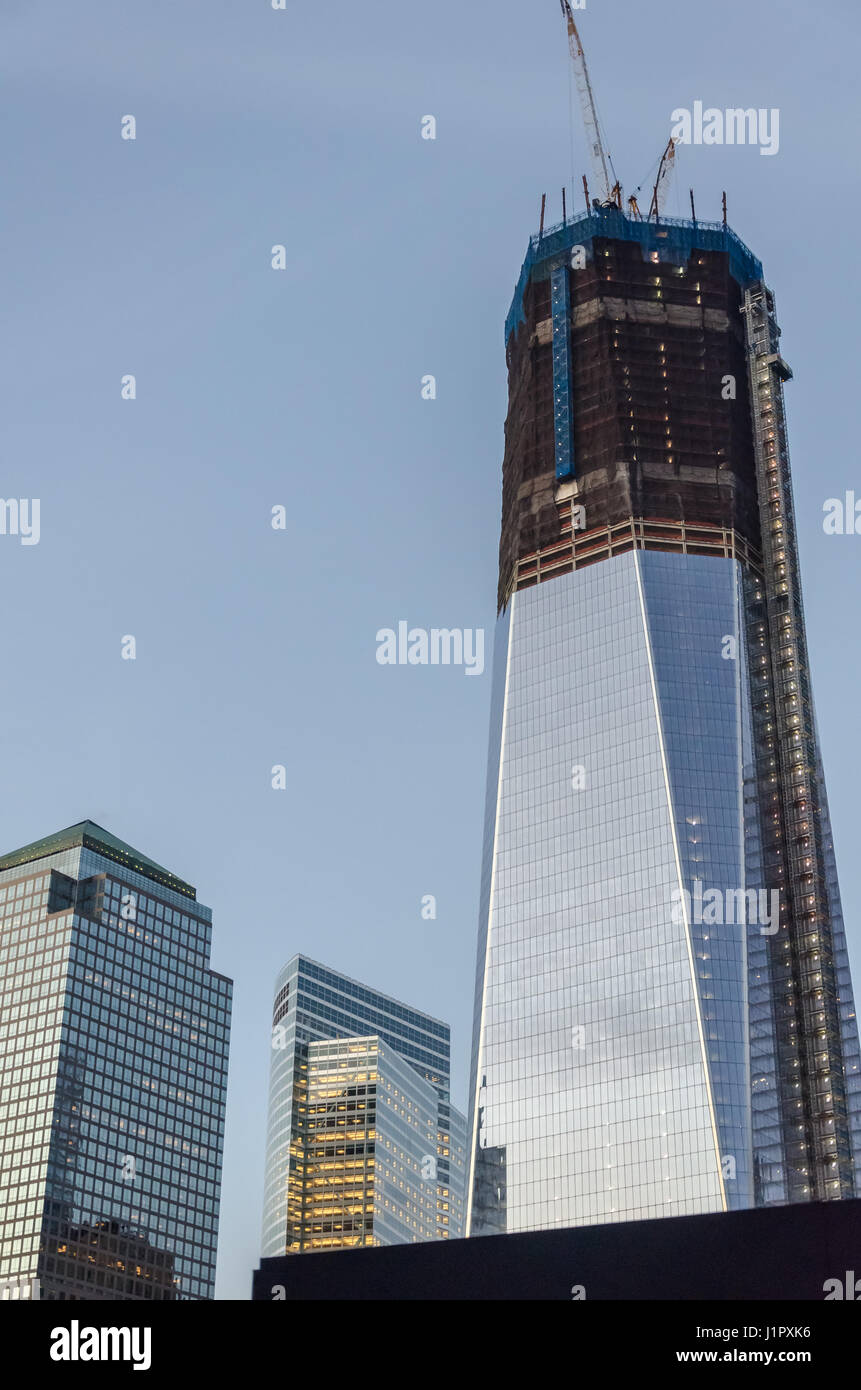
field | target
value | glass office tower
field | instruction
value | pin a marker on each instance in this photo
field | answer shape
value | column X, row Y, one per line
column 314, row 1004
column 664, row 1022
column 365, row 1148
column 114, row 1038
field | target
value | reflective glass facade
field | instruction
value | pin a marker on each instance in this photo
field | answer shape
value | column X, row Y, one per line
column 315, row 1004
column 113, row 1046
column 611, row 1077
column 365, row 1148
column 664, row 1020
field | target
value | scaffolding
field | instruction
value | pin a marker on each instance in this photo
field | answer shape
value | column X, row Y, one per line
column 580, row 548
column 560, row 300
column 806, row 1010
column 671, row 239
column 616, row 379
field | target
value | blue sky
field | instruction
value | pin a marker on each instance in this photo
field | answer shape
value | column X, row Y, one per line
column 302, row 388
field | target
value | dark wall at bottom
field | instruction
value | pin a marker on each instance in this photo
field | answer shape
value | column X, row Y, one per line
column 778, row 1253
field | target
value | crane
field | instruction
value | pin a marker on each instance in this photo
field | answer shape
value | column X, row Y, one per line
column 602, row 164
column 610, row 194
column 665, row 174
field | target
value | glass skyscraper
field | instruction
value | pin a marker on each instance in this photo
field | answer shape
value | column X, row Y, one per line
column 364, row 1146
column 664, row 1022
column 114, row 1035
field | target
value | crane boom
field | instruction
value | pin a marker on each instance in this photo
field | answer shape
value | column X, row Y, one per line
column 600, row 158
column 666, row 169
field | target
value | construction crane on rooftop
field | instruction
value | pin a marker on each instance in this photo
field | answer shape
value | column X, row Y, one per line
column 666, row 169
column 609, row 194
column 602, row 164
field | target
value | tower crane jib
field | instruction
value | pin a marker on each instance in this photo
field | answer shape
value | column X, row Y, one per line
column 601, row 162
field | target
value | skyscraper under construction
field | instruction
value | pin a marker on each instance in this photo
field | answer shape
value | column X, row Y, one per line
column 664, row 1021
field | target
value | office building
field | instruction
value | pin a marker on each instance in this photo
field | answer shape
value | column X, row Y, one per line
column 364, row 1146
column 664, row 1022
column 114, row 1035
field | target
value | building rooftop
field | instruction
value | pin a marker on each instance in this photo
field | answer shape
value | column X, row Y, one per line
column 88, row 835
column 672, row 238
column 360, row 989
